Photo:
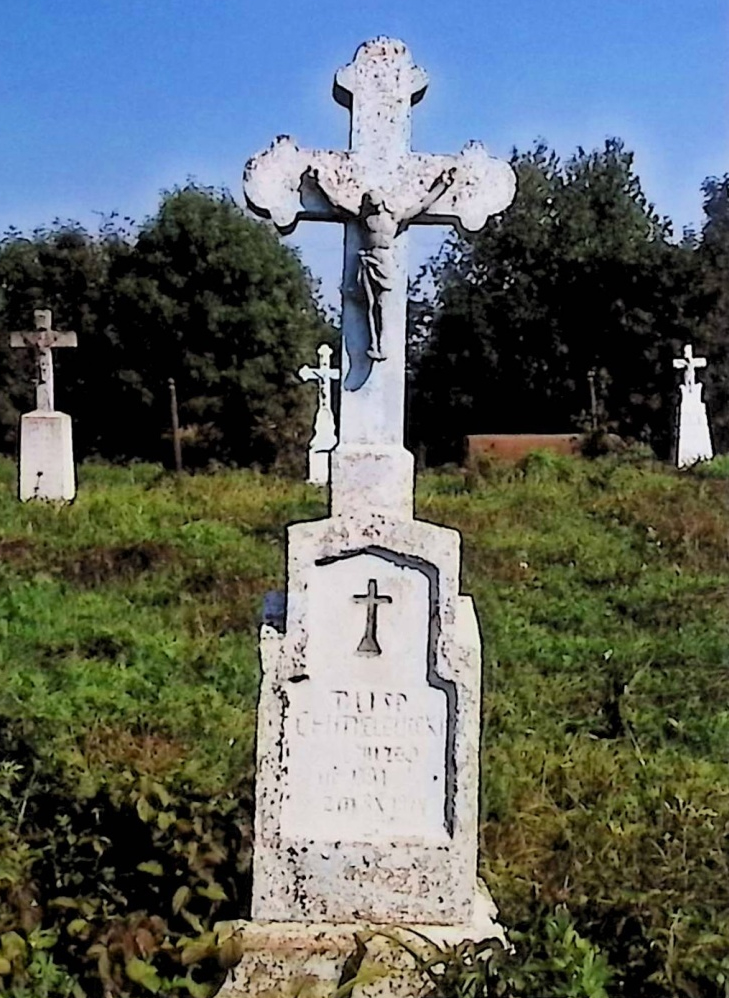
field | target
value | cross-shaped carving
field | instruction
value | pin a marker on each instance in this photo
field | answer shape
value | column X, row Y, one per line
column 42, row 340
column 369, row 644
column 689, row 364
column 378, row 188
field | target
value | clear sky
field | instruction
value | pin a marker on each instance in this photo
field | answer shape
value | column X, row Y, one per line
column 103, row 103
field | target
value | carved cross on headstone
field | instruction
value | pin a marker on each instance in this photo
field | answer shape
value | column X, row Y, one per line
column 689, row 364
column 42, row 340
column 369, row 644
column 324, row 374
column 378, row 188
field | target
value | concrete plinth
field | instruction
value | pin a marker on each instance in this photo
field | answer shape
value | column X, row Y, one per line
column 308, row 960
column 46, row 457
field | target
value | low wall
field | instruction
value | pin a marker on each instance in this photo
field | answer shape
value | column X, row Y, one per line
column 514, row 446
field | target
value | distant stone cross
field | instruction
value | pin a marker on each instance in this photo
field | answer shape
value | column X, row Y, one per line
column 324, row 374
column 689, row 364
column 378, row 188
column 369, row 644
column 42, row 340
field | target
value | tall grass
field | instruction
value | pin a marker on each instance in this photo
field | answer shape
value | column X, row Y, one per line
column 128, row 667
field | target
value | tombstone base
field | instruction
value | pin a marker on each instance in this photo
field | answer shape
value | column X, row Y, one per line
column 318, row 467
column 46, row 457
column 305, row 960
column 694, row 439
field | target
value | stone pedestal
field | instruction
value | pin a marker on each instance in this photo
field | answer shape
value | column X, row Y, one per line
column 318, row 473
column 310, row 960
column 694, row 439
column 46, row 457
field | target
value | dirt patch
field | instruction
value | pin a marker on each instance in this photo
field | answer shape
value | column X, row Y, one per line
column 98, row 565
column 16, row 550
column 143, row 753
column 226, row 604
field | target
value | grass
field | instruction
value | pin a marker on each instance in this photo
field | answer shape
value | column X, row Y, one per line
column 128, row 657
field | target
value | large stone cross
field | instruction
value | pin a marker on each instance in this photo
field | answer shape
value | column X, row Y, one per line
column 42, row 340
column 378, row 188
column 689, row 364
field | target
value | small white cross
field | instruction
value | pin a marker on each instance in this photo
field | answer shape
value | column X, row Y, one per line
column 689, row 364
column 324, row 374
column 42, row 340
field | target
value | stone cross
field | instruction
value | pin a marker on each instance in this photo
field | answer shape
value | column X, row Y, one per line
column 689, row 364
column 377, row 189
column 324, row 374
column 42, row 340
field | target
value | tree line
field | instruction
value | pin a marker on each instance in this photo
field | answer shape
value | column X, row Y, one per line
column 198, row 293
column 579, row 277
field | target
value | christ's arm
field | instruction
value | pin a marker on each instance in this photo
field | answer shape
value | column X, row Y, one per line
column 439, row 186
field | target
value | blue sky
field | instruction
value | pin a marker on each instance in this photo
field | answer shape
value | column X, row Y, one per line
column 103, row 103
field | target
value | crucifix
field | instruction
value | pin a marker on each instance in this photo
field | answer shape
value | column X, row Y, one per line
column 369, row 644
column 42, row 340
column 376, row 189
column 324, row 374
column 689, row 364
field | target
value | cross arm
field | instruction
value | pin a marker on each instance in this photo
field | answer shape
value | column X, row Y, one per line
column 475, row 185
column 287, row 184
column 43, row 339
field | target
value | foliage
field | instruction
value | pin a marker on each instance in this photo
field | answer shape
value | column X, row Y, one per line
column 200, row 294
column 578, row 275
column 129, row 670
column 713, row 253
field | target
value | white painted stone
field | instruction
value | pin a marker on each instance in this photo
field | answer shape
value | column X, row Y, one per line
column 369, row 711
column 367, row 769
column 324, row 439
column 46, row 462
column 46, row 457
column 694, row 439
column 378, row 188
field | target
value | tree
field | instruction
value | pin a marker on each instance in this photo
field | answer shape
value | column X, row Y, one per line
column 201, row 294
column 713, row 254
column 65, row 269
column 214, row 300
column 579, row 273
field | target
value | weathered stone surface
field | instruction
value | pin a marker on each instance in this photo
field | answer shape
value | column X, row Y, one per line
column 694, row 439
column 46, row 468
column 369, row 710
column 378, row 188
column 297, row 960
column 46, row 457
column 368, row 760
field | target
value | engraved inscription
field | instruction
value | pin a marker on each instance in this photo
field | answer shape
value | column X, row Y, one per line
column 366, row 763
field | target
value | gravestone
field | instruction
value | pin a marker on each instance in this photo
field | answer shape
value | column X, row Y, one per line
column 694, row 439
column 46, row 441
column 369, row 711
column 324, row 439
